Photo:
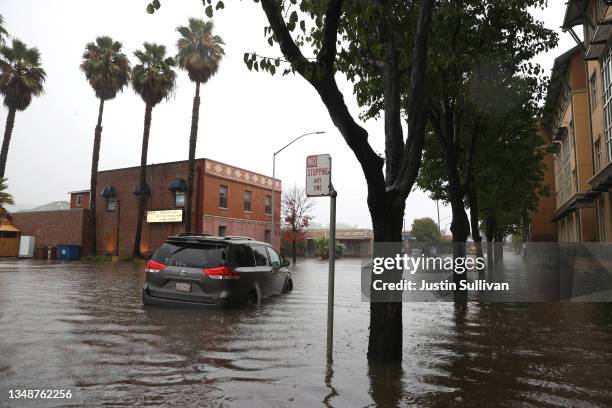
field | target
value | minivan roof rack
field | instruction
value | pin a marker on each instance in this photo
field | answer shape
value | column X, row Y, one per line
column 237, row 237
column 192, row 234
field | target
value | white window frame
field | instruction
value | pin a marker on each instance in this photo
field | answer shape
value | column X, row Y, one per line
column 606, row 75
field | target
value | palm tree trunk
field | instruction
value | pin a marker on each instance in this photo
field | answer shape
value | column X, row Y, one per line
column 8, row 132
column 93, row 188
column 193, row 139
column 142, row 196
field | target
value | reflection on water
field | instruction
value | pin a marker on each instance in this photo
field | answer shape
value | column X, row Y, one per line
column 83, row 327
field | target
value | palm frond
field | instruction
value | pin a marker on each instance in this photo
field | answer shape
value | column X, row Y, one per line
column 199, row 51
column 153, row 78
column 21, row 74
column 5, row 197
column 106, row 67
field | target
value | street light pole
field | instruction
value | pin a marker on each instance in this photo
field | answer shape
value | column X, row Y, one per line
column 274, row 175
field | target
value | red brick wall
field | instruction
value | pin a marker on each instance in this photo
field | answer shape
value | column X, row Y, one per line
column 52, row 228
column 84, row 200
column 125, row 181
column 252, row 223
column 206, row 203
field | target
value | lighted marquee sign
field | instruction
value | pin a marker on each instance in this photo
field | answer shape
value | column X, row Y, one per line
column 165, row 216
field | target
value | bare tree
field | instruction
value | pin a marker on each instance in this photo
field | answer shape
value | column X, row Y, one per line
column 295, row 209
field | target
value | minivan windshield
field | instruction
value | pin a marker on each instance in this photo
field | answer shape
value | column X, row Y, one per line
column 191, row 255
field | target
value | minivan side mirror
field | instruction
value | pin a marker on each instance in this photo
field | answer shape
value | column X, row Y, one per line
column 286, row 262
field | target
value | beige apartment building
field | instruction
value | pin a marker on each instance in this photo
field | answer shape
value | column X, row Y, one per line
column 566, row 123
column 594, row 18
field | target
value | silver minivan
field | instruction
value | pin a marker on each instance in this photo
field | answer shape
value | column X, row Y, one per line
column 198, row 269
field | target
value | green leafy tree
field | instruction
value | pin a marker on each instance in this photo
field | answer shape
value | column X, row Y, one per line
column 154, row 79
column 480, row 49
column 21, row 78
column 426, row 230
column 5, row 197
column 3, row 32
column 199, row 53
column 322, row 248
column 107, row 70
column 398, row 58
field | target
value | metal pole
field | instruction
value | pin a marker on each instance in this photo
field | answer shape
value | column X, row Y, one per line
column 330, row 285
column 273, row 190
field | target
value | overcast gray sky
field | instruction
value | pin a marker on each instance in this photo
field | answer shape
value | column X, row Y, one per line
column 244, row 117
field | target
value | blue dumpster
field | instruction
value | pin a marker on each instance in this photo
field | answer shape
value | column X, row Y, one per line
column 69, row 252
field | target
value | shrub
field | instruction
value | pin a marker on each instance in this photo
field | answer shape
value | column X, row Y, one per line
column 322, row 248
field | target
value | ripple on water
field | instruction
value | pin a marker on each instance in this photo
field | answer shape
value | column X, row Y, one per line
column 83, row 327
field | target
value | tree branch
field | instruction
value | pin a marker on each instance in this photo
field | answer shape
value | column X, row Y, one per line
column 413, row 149
column 355, row 136
column 327, row 55
column 288, row 47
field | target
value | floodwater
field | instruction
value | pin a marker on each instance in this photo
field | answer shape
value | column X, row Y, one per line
column 82, row 327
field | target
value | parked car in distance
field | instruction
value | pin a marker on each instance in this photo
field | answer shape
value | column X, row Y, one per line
column 204, row 270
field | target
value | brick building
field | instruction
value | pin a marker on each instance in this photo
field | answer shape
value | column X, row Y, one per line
column 228, row 200
column 52, row 228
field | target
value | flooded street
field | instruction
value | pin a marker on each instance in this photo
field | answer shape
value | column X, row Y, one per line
column 83, row 327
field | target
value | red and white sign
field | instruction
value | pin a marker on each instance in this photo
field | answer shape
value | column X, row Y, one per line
column 318, row 175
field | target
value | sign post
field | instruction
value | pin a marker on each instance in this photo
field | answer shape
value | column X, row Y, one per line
column 319, row 184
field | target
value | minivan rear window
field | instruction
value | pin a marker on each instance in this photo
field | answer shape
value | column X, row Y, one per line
column 191, row 255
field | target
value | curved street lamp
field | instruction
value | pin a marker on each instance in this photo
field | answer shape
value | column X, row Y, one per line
column 274, row 174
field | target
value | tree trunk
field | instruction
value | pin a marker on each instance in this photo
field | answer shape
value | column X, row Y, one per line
column 473, row 201
column 499, row 238
column 193, row 140
column 142, row 185
column 489, row 232
column 385, row 342
column 293, row 251
column 8, row 132
column 93, row 186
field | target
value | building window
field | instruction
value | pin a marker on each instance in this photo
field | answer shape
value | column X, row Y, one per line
column 268, row 236
column 247, row 200
column 223, row 196
column 179, row 198
column 598, row 155
column 268, row 204
column 79, row 200
column 606, row 74
column 593, row 90
column 222, row 230
column 564, row 172
column 111, row 204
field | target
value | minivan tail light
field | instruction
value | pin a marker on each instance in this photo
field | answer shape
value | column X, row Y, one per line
column 154, row 266
column 222, row 272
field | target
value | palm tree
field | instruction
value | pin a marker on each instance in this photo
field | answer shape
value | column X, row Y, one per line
column 107, row 70
column 5, row 197
column 154, row 80
column 199, row 53
column 3, row 32
column 21, row 78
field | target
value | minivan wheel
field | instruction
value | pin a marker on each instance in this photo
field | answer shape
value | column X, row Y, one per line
column 252, row 299
column 288, row 286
